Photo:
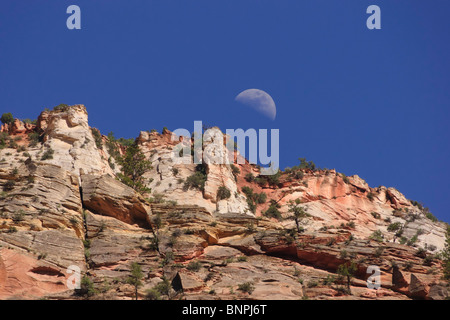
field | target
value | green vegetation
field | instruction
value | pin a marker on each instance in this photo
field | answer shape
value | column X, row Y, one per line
column 370, row 196
column 4, row 140
column 162, row 288
column 7, row 118
column 350, row 224
column 87, row 243
column 394, row 226
column 223, row 193
column 249, row 177
column 347, row 271
column 308, row 165
column 87, row 254
column 173, row 239
column 86, row 287
column 247, row 287
column 61, row 107
column 197, row 180
column 9, row 185
column 48, row 154
column 101, row 228
column 135, row 278
column 126, row 142
column 242, row 259
column 272, row 180
column 235, row 171
column 134, row 166
column 73, row 221
column 156, row 223
column 12, row 229
column 157, row 198
column 379, row 251
column 289, row 235
column 377, row 236
column 29, row 121
column 272, row 211
column 176, row 233
column 375, row 215
column 97, row 138
column 253, row 199
column 167, row 259
column 296, row 172
column 19, row 216
column 428, row 260
column 329, row 280
column 298, row 213
column 413, row 240
column 345, row 178
column 446, row 255
column 152, row 294
column 112, row 145
column 416, row 204
column 250, row 227
column 42, row 256
column 34, row 138
column 429, row 215
column 194, row 266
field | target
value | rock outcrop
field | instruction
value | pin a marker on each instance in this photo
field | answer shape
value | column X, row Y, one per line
column 66, row 132
column 63, row 206
column 168, row 175
column 107, row 196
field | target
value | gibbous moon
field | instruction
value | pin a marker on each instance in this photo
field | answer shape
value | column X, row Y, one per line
column 259, row 100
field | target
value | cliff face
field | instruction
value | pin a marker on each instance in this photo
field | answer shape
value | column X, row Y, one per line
column 61, row 205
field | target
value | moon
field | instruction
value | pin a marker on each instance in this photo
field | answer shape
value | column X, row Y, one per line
column 259, row 100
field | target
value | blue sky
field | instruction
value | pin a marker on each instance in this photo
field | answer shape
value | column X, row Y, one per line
column 368, row 102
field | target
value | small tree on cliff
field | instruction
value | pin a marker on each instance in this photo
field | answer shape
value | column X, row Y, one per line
column 134, row 166
column 135, row 278
column 7, row 118
column 446, row 255
column 298, row 213
column 347, row 271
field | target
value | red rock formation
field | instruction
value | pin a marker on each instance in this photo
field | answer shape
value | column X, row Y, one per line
column 47, row 222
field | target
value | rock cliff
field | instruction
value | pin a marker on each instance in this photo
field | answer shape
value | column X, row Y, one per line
column 62, row 205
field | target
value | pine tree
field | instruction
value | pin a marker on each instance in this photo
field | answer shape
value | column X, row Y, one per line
column 7, row 118
column 135, row 277
column 347, row 270
column 134, row 166
column 299, row 213
column 446, row 255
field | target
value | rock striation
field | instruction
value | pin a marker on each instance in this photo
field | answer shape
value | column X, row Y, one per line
column 62, row 205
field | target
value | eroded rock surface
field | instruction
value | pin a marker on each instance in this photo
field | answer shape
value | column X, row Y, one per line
column 67, row 208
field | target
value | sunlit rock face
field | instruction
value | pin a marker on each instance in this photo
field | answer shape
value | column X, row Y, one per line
column 169, row 174
column 67, row 208
column 68, row 134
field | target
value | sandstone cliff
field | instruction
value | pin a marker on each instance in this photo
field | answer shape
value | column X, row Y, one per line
column 61, row 205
